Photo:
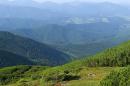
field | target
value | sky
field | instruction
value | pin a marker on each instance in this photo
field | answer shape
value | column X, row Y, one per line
column 62, row 1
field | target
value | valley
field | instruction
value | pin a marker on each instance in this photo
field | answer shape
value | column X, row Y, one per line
column 79, row 40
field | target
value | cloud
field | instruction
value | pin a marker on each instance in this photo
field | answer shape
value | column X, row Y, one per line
column 11, row 0
column 57, row 1
column 62, row 1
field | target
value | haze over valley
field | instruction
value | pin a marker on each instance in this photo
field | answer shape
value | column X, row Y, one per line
column 70, row 27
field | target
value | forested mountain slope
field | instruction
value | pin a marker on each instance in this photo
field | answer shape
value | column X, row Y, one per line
column 10, row 59
column 34, row 51
column 117, row 56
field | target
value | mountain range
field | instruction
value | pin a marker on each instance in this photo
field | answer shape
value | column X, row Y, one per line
column 75, row 38
column 69, row 27
column 53, row 13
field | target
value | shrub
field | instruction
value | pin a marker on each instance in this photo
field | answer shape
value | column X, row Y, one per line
column 117, row 78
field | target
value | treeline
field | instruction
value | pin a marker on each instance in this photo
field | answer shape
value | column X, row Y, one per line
column 117, row 56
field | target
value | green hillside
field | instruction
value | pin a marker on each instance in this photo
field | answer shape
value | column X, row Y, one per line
column 86, row 72
column 15, row 73
column 39, row 53
column 10, row 59
column 33, row 76
column 117, row 56
column 117, row 78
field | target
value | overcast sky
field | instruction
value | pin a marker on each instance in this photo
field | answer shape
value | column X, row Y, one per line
column 62, row 1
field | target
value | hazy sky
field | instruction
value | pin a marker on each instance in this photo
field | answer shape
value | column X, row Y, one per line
column 61, row 1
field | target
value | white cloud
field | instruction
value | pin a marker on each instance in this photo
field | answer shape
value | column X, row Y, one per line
column 11, row 0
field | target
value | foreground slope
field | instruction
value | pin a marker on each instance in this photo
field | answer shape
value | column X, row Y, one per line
column 117, row 78
column 15, row 73
column 33, row 76
column 114, row 57
column 34, row 51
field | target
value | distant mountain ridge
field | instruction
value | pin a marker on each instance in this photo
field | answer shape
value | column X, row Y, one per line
column 53, row 13
column 80, row 39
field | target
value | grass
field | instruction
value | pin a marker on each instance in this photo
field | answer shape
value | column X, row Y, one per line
column 92, row 76
column 83, row 83
column 89, row 76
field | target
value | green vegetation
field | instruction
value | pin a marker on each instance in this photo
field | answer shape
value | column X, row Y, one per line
column 11, row 74
column 10, row 59
column 114, row 57
column 38, row 53
column 66, row 34
column 32, row 75
column 117, row 56
column 117, row 78
column 92, row 76
column 93, row 71
column 20, row 74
